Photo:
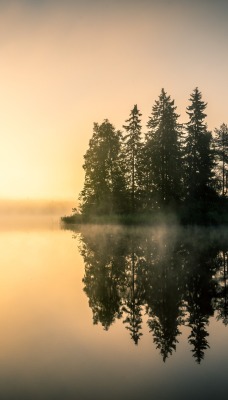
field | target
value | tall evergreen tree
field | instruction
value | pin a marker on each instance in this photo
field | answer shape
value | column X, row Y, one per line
column 162, row 162
column 104, row 185
column 221, row 151
column 198, row 151
column 132, row 155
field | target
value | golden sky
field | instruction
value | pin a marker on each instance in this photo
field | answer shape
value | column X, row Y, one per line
column 66, row 64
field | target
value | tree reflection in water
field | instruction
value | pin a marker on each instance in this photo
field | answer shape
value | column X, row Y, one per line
column 175, row 276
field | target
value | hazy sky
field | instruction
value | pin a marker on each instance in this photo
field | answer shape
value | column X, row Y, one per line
column 66, row 64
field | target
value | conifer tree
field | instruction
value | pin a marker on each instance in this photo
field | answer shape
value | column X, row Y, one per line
column 104, row 186
column 198, row 151
column 162, row 162
column 132, row 156
column 221, row 151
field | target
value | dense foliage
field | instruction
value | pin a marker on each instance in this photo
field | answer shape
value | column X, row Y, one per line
column 175, row 167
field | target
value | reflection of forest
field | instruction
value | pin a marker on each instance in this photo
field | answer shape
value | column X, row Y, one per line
column 173, row 276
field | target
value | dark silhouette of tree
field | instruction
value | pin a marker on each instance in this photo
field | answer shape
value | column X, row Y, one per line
column 104, row 186
column 134, row 294
column 222, row 288
column 164, row 296
column 200, row 267
column 198, row 153
column 221, row 151
column 198, row 335
column 163, row 154
column 134, row 318
column 132, row 156
column 104, row 271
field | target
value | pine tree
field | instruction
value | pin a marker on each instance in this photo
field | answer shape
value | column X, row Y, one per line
column 132, row 156
column 162, row 162
column 104, row 186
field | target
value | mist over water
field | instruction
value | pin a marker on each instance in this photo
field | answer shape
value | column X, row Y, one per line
column 33, row 207
column 32, row 214
column 112, row 312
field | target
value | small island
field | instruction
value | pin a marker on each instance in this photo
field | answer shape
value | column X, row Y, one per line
column 174, row 173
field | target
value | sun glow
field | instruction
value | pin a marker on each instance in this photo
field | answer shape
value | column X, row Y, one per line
column 67, row 65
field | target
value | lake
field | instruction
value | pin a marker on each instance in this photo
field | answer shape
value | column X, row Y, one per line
column 113, row 313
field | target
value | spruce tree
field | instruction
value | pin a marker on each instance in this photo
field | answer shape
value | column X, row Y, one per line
column 198, row 151
column 221, row 151
column 132, row 156
column 162, row 155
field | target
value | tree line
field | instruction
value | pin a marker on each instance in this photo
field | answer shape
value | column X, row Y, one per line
column 171, row 166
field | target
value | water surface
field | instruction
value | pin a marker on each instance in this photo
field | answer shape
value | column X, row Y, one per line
column 113, row 313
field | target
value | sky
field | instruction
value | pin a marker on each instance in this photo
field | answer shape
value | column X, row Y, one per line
column 67, row 64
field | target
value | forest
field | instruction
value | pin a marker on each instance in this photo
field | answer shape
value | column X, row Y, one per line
column 171, row 168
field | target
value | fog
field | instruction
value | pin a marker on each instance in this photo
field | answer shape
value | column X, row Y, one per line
column 33, row 214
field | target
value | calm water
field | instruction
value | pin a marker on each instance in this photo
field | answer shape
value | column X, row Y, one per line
column 110, row 313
